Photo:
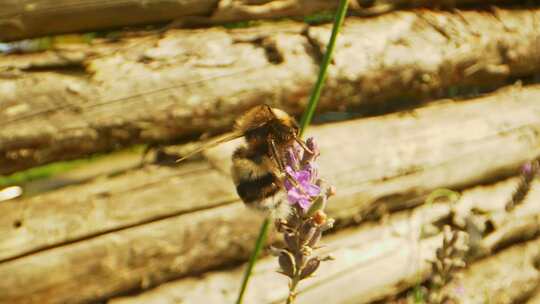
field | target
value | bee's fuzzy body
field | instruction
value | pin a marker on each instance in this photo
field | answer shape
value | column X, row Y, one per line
column 255, row 167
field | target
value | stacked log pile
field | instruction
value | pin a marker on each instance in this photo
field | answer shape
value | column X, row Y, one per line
column 68, row 102
column 179, row 234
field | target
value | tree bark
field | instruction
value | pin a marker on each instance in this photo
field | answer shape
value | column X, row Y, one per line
column 34, row 18
column 92, row 241
column 74, row 101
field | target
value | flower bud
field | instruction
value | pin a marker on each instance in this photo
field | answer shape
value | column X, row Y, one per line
column 318, row 204
column 319, row 217
column 286, row 262
column 306, row 232
column 291, row 241
column 315, row 238
column 310, row 267
column 310, row 143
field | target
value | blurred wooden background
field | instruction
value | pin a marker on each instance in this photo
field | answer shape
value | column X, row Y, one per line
column 421, row 95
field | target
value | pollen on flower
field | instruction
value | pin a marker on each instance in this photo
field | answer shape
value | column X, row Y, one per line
column 319, row 217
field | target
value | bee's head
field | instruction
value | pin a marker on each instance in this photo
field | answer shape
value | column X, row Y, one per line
column 289, row 124
column 263, row 122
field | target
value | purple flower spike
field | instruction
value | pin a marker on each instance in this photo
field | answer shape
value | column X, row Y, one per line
column 305, row 188
column 306, row 222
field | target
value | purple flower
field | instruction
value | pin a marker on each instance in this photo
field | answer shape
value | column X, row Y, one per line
column 312, row 145
column 294, row 154
column 303, row 187
column 304, row 190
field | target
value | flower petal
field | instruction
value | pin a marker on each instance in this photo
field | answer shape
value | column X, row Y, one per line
column 304, row 203
column 312, row 190
column 292, row 160
column 289, row 170
column 288, row 185
column 303, row 177
column 313, row 170
column 294, row 195
column 312, row 145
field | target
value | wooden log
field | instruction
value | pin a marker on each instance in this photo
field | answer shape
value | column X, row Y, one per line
column 396, row 170
column 510, row 276
column 366, row 269
column 481, row 212
column 535, row 299
column 371, row 263
column 74, row 101
column 122, row 240
column 27, row 19
column 102, row 206
column 100, row 267
column 390, row 279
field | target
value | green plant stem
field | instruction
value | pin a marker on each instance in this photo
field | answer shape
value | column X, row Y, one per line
column 292, row 291
column 304, row 122
column 316, row 93
column 259, row 243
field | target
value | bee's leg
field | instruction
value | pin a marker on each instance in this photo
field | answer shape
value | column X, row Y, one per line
column 303, row 144
column 278, row 168
column 276, row 155
column 283, row 173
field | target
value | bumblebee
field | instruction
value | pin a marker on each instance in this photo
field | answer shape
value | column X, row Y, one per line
column 258, row 166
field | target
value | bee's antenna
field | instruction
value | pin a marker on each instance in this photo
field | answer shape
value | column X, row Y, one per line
column 211, row 143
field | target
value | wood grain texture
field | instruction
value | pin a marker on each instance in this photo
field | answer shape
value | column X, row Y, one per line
column 103, row 266
column 30, row 18
column 33, row 18
column 513, row 278
column 120, row 235
column 535, row 298
column 510, row 276
column 371, row 262
column 481, row 212
column 76, row 100
column 384, row 271
column 451, row 145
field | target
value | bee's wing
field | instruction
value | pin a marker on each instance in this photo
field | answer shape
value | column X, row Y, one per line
column 212, row 143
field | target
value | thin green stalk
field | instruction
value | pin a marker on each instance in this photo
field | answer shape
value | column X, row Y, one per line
column 316, row 93
column 259, row 243
column 292, row 290
column 304, row 122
